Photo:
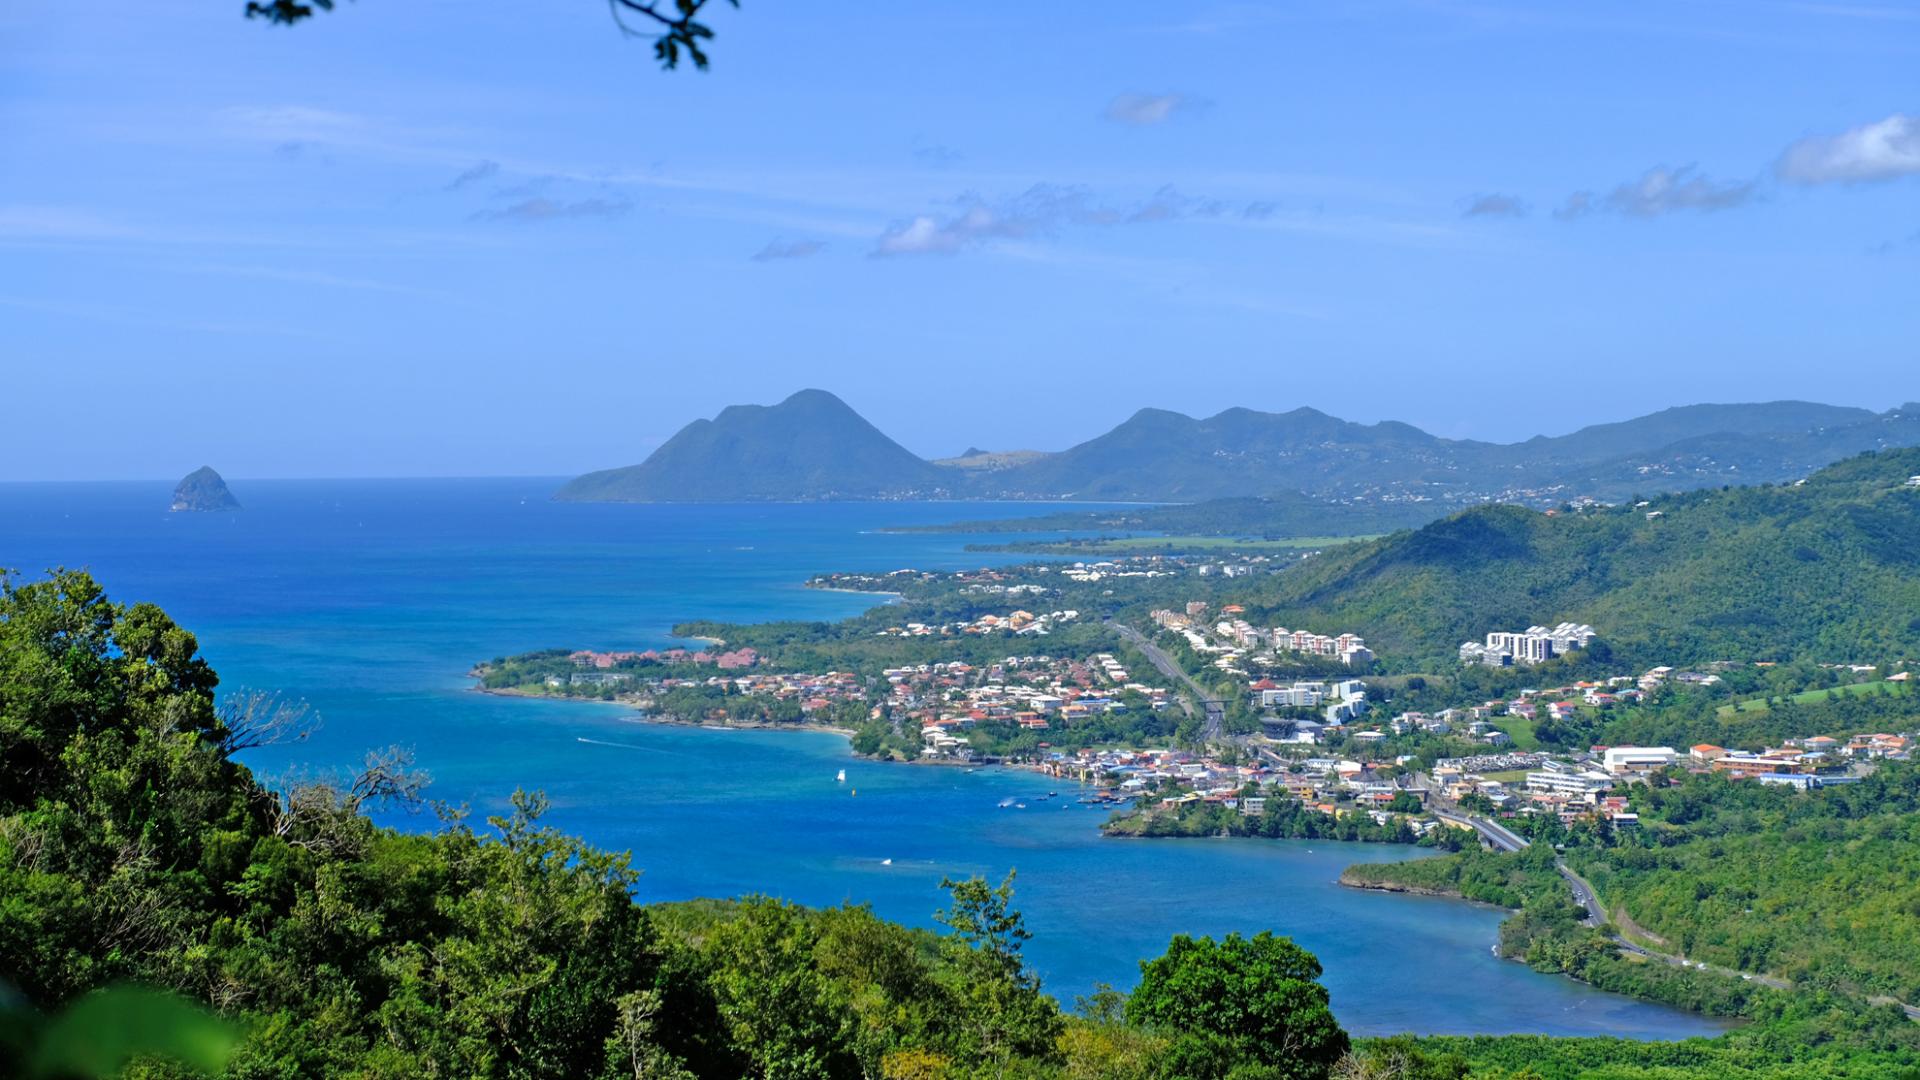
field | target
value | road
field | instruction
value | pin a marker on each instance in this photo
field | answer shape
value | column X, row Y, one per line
column 1500, row 837
column 1497, row 836
column 1216, row 710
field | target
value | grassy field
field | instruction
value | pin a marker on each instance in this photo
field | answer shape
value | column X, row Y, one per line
column 1520, row 730
column 1808, row 697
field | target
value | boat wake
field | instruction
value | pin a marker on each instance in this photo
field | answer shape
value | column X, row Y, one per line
column 623, row 746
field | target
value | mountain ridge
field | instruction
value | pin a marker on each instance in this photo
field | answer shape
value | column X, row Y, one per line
column 813, row 446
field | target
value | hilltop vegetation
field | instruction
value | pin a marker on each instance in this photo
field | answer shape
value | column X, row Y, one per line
column 1827, row 568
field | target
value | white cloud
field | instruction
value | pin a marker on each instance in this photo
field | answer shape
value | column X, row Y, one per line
column 1143, row 110
column 550, row 210
column 294, row 123
column 1883, row 150
column 1659, row 191
column 1041, row 210
column 789, row 249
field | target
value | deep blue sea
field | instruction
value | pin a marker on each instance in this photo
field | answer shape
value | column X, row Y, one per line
column 370, row 600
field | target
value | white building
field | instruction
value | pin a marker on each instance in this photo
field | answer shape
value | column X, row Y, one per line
column 1636, row 760
column 1581, row 784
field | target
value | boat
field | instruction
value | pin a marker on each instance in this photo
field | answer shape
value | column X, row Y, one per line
column 1006, row 802
column 842, row 778
column 886, row 862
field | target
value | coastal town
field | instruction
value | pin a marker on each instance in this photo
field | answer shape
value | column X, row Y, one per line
column 1317, row 726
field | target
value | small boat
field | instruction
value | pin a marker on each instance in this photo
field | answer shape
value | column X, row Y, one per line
column 886, row 862
column 842, row 778
column 1006, row 802
column 1019, row 806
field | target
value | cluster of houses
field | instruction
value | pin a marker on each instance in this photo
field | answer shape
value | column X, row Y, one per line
column 1035, row 693
column 812, row 691
column 1328, row 785
column 1534, row 645
column 1585, row 785
column 725, row 661
column 1151, row 567
column 1021, row 623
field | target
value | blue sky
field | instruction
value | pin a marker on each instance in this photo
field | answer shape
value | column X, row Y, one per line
column 473, row 237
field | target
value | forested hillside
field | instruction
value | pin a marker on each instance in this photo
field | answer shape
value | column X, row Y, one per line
column 1828, row 568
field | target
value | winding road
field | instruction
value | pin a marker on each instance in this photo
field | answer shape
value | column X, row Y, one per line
column 1501, row 838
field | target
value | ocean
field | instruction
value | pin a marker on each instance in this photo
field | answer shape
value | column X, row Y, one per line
column 370, row 601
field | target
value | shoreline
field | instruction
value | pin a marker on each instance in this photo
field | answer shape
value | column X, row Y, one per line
column 1344, row 880
column 641, row 716
column 891, row 597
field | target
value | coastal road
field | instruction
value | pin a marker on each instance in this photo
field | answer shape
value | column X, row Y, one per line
column 1596, row 916
column 1216, row 710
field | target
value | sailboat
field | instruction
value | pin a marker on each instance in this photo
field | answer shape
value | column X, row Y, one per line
column 842, row 778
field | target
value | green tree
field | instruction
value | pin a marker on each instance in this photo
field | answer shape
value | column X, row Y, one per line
column 776, row 1003
column 1002, row 1011
column 1240, row 1007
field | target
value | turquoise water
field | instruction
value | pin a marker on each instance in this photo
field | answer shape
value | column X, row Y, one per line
column 370, row 600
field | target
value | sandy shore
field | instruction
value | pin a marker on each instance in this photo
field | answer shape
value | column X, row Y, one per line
column 891, row 597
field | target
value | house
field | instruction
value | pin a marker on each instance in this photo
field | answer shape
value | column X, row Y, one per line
column 1706, row 753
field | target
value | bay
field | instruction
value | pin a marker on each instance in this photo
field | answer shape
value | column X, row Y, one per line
column 371, row 599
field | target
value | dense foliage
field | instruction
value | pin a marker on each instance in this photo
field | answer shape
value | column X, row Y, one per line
column 1828, row 568
column 134, row 848
column 1819, row 888
column 1815, row 1028
column 1247, row 1008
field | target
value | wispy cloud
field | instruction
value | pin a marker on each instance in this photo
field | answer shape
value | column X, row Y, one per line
column 1883, row 150
column 789, row 249
column 1145, row 110
column 1494, row 205
column 1660, row 191
column 1042, row 210
column 1888, row 247
column 937, row 156
column 58, row 223
column 482, row 170
column 282, row 124
column 543, row 209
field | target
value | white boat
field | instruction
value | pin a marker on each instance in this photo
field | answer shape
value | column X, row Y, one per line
column 886, row 862
column 842, row 778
